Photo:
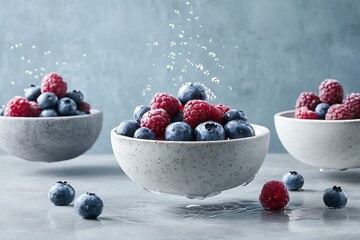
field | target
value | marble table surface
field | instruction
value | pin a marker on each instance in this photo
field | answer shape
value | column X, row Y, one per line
column 133, row 213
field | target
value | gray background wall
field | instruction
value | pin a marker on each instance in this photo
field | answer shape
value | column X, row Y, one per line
column 116, row 52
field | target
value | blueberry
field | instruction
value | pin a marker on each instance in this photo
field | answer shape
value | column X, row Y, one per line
column 190, row 91
column 127, row 128
column 293, row 181
column 48, row 113
column 179, row 131
column 209, row 131
column 66, row 107
column 144, row 133
column 77, row 96
column 47, row 100
column 2, row 110
column 179, row 117
column 234, row 114
column 88, row 206
column 238, row 129
column 32, row 93
column 139, row 112
column 78, row 112
column 321, row 110
column 334, row 197
column 61, row 193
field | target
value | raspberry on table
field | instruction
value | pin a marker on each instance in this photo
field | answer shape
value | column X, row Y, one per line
column 352, row 102
column 196, row 112
column 167, row 102
column 338, row 112
column 274, row 195
column 331, row 91
column 305, row 113
column 156, row 120
column 18, row 107
column 53, row 82
column 307, row 99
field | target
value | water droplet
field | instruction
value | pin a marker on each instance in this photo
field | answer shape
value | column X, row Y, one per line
column 200, row 67
column 173, row 55
column 215, row 80
column 236, row 46
column 153, row 64
column 210, row 40
column 12, row 82
column 33, row 46
column 42, row 68
column 188, row 60
column 187, row 3
column 64, row 63
column 179, row 53
column 57, row 63
column 156, row 43
column 28, row 60
column 191, row 12
column 189, row 53
column 36, row 76
column 203, row 47
column 197, row 35
column 230, row 88
column 150, row 78
column 221, row 66
column 181, row 35
column 196, row 18
column 177, row 12
column 223, row 46
column 35, row 70
column 22, row 58
column 169, row 67
column 41, row 74
column 16, row 45
column 184, row 70
column 20, row 44
column 172, row 44
column 173, row 62
column 185, row 43
column 188, row 19
column 216, row 59
column 84, row 55
column 207, row 73
column 200, row 25
column 212, row 54
column 172, row 26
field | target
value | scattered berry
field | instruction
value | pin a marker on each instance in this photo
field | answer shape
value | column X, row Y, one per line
column 293, row 181
column 179, row 131
column 196, row 112
column 338, row 112
column 77, row 96
column 35, row 109
column 274, row 195
column 331, row 91
column 47, row 100
column 32, row 93
column 321, row 110
column 165, row 101
column 18, row 107
column 234, row 114
column 190, row 91
column 352, row 102
column 61, row 193
column 53, row 82
column 127, row 128
column 305, row 113
column 209, row 131
column 139, row 112
column 307, row 99
column 84, row 107
column 48, row 113
column 144, row 133
column 238, row 129
column 66, row 107
column 88, row 206
column 156, row 120
column 334, row 197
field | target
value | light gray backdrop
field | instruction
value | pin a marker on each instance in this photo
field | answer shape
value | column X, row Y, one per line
column 259, row 54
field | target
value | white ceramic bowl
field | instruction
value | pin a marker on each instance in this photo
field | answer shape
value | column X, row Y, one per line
column 333, row 144
column 191, row 169
column 49, row 139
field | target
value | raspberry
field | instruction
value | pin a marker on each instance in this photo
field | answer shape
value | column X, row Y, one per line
column 84, row 107
column 167, row 102
column 53, row 82
column 223, row 107
column 18, row 107
column 196, row 112
column 331, row 91
column 216, row 114
column 156, row 120
column 305, row 113
column 338, row 112
column 307, row 99
column 34, row 109
column 274, row 195
column 352, row 102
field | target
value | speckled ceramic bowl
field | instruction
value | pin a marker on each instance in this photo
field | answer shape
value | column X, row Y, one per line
column 324, row 144
column 49, row 139
column 191, row 169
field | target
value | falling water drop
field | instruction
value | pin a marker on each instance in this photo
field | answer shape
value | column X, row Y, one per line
column 206, row 72
column 169, row 67
column 215, row 80
column 172, row 26
column 199, row 67
column 212, row 54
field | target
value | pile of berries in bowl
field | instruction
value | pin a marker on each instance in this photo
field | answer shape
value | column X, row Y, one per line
column 186, row 146
column 49, row 123
column 324, row 129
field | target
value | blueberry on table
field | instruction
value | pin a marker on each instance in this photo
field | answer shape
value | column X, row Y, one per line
column 238, row 129
column 139, row 112
column 77, row 96
column 293, row 180
column 209, row 131
column 321, row 110
column 145, row 133
column 47, row 100
column 127, row 128
column 66, row 107
column 61, row 193
column 334, row 197
column 88, row 205
column 179, row 131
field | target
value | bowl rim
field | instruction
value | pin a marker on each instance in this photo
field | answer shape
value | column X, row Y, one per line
column 93, row 112
column 263, row 131
column 288, row 115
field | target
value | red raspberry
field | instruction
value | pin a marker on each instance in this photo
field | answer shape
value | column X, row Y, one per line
column 53, row 82
column 331, row 91
column 223, row 107
column 196, row 112
column 167, row 102
column 274, row 195
column 305, row 113
column 34, row 109
column 84, row 107
column 307, row 99
column 352, row 102
column 338, row 112
column 156, row 120
column 216, row 113
column 18, row 107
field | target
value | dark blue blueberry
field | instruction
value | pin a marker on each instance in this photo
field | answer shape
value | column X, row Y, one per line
column 144, row 133
column 334, row 197
column 209, row 131
column 179, row 117
column 179, row 131
column 139, row 112
column 238, row 129
column 321, row 110
column 2, row 110
column 66, row 107
column 127, row 128
column 77, row 96
column 47, row 100
column 234, row 114
column 88, row 206
column 293, row 181
column 61, row 193
column 190, row 91
column 32, row 93
column 48, row 113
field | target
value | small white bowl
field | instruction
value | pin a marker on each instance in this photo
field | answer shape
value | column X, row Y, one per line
column 193, row 169
column 49, row 139
column 333, row 144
